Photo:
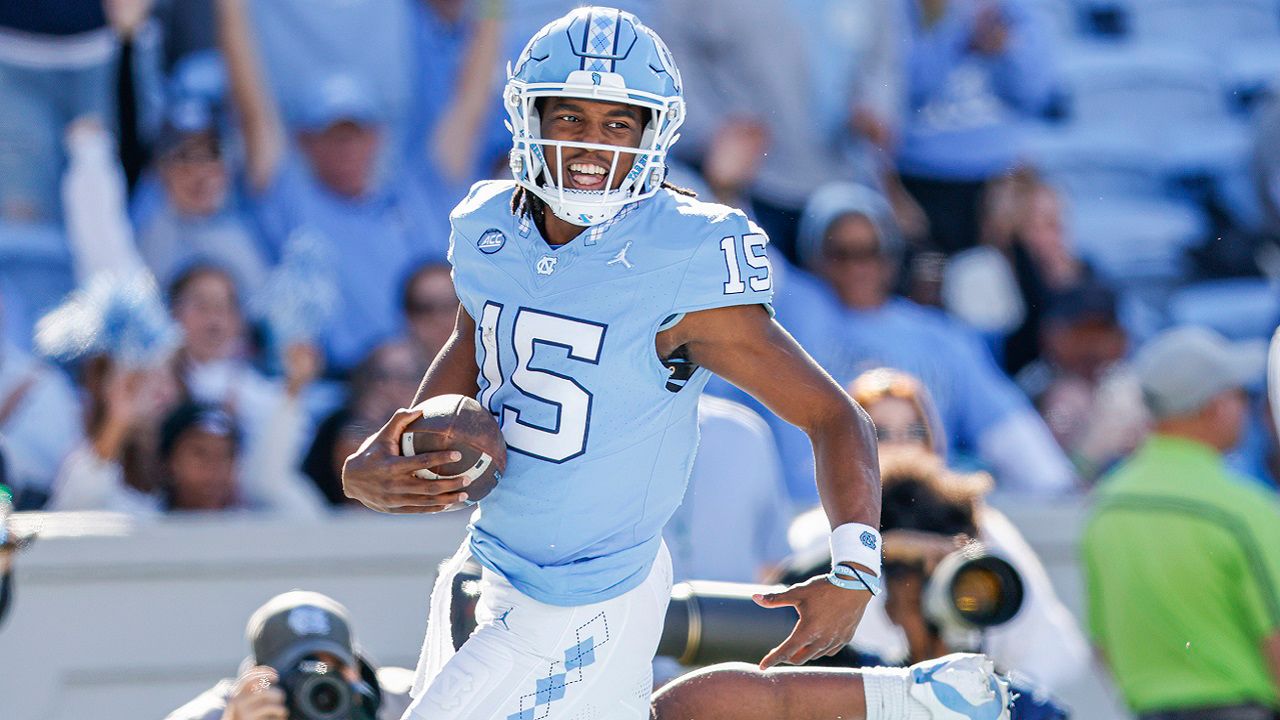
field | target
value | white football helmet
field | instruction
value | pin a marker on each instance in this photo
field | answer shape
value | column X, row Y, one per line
column 593, row 53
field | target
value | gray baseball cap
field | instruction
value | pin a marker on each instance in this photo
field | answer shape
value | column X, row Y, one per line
column 293, row 625
column 1183, row 368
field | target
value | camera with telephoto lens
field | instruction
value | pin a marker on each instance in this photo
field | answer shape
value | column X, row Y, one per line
column 969, row 591
column 315, row 690
column 707, row 622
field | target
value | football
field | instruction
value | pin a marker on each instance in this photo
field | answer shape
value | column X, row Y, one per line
column 458, row 422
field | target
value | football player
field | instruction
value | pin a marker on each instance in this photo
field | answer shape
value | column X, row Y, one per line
column 596, row 302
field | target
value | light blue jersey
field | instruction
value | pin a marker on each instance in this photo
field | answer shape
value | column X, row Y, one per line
column 601, row 435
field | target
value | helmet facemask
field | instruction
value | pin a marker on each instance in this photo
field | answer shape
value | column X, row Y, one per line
column 529, row 161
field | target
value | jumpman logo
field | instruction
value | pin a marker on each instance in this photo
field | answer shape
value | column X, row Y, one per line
column 621, row 257
column 503, row 618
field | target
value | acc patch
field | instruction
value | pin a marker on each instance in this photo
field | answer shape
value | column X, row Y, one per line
column 491, row 241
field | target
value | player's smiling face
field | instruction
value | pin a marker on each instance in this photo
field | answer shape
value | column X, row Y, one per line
column 591, row 121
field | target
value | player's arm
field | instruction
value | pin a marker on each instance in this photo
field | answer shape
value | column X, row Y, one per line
column 454, row 370
column 738, row 691
column 743, row 345
column 746, row 347
column 378, row 476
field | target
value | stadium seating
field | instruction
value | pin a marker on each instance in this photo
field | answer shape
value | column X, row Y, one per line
column 1097, row 164
column 1239, row 308
column 1063, row 17
column 1209, row 24
column 1133, row 239
column 35, row 267
column 1250, row 71
column 1141, row 90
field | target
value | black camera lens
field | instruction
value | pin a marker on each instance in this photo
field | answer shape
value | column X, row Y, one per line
column 325, row 698
column 317, row 693
column 986, row 591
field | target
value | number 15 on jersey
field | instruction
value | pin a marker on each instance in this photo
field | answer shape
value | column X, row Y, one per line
column 583, row 341
column 750, row 248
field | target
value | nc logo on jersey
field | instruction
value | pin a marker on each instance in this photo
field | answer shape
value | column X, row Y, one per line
column 491, row 241
column 546, row 265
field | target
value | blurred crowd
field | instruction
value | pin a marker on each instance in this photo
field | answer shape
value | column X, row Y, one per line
column 224, row 226
column 284, row 184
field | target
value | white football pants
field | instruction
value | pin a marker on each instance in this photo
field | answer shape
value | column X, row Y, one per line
column 531, row 661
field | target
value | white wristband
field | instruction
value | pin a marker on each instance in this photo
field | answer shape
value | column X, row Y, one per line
column 856, row 543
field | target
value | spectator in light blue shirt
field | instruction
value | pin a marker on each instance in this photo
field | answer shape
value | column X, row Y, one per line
column 58, row 61
column 456, row 133
column 977, row 71
column 765, row 128
column 847, row 237
column 324, row 180
column 302, row 43
column 195, row 217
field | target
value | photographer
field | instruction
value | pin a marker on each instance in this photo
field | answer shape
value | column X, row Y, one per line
column 927, row 518
column 304, row 667
column 1043, row 640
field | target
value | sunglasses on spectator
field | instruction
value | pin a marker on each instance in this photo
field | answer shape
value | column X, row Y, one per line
column 431, row 307
column 194, row 149
column 913, row 432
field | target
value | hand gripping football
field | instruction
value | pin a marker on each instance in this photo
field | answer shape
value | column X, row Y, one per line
column 458, row 422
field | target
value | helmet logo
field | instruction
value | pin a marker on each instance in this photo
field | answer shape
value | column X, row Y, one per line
column 595, row 78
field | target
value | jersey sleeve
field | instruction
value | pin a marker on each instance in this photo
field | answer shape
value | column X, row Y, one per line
column 462, row 266
column 728, row 267
column 467, row 225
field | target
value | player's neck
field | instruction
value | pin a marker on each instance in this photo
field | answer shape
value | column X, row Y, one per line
column 554, row 230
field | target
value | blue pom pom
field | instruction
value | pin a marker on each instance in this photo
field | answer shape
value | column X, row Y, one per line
column 117, row 316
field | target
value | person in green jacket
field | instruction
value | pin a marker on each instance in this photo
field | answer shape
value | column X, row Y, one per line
column 1182, row 556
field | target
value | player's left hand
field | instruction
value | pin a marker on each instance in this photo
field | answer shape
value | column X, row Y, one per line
column 828, row 617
